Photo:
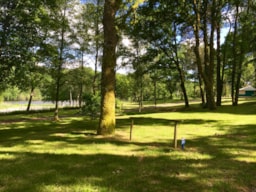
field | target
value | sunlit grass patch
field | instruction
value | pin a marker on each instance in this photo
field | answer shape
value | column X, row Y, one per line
column 38, row 154
column 80, row 187
column 7, row 156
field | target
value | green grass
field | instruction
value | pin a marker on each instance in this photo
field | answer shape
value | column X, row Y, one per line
column 39, row 155
column 4, row 106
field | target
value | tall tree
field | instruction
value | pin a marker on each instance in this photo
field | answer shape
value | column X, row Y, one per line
column 58, row 43
column 98, row 42
column 219, row 68
column 90, row 37
column 203, row 10
column 107, row 121
column 234, row 79
column 111, row 36
column 242, row 35
column 59, row 62
column 139, row 75
column 158, row 23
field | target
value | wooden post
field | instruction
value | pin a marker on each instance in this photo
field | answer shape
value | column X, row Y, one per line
column 131, row 129
column 175, row 134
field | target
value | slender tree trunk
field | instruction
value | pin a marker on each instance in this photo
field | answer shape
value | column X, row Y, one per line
column 57, row 93
column 210, row 73
column 107, row 121
column 155, row 88
column 70, row 97
column 239, row 74
column 30, row 98
column 196, row 27
column 201, row 90
column 141, row 94
column 56, row 111
column 182, row 85
column 224, row 59
column 81, row 83
column 139, row 75
column 175, row 57
column 181, row 76
column 207, row 65
column 240, row 51
column 59, row 68
column 180, row 71
column 206, row 70
column 219, row 79
column 234, row 65
column 97, row 32
column 94, row 83
column 237, row 86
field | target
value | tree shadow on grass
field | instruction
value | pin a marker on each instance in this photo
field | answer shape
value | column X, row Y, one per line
column 99, row 172
column 13, row 133
column 32, row 172
column 80, row 131
column 205, row 164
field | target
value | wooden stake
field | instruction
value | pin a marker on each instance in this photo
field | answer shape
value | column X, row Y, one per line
column 175, row 134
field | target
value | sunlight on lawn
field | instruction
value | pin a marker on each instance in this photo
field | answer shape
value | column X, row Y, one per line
column 40, row 156
column 7, row 156
column 81, row 186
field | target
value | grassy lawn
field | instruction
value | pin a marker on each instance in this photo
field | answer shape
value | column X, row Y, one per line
column 39, row 155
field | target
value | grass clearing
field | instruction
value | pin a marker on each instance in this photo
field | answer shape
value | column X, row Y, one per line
column 39, row 155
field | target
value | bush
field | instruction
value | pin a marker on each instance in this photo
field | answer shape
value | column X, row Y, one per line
column 119, row 105
column 1, row 98
column 91, row 105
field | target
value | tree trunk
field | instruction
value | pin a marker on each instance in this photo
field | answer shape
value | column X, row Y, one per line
column 71, row 97
column 201, row 90
column 30, row 98
column 210, row 73
column 81, row 83
column 196, row 27
column 59, row 69
column 141, row 94
column 155, row 89
column 57, row 93
column 97, row 47
column 182, row 85
column 234, row 64
column 180, row 70
column 175, row 57
column 237, row 86
column 107, row 121
column 239, row 74
column 240, row 52
column 94, row 83
column 219, row 78
column 206, row 69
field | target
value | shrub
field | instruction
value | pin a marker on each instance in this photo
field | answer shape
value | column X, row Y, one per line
column 91, row 105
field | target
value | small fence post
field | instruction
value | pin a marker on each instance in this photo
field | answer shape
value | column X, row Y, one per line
column 175, row 134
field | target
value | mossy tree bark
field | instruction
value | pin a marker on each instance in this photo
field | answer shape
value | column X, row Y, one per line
column 107, row 121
